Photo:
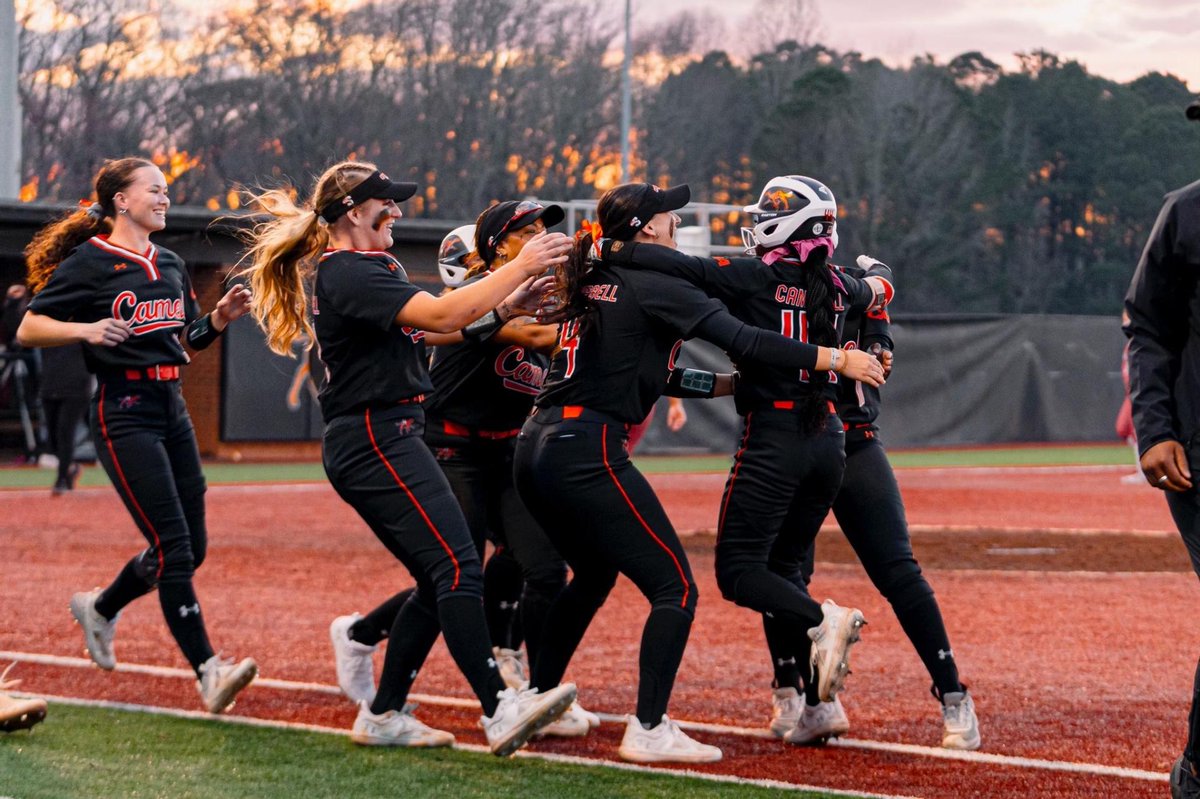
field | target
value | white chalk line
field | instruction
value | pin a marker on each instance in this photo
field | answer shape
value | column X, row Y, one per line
column 1093, row 769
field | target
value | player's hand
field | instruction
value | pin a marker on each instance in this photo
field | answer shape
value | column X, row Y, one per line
column 1165, row 466
column 542, row 252
column 676, row 415
column 233, row 305
column 106, row 332
column 886, row 358
column 862, row 366
column 529, row 298
column 868, row 263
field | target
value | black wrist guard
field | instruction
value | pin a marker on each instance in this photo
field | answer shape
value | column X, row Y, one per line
column 691, row 383
column 483, row 327
column 201, row 333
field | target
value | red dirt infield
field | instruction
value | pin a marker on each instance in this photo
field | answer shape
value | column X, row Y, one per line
column 1067, row 638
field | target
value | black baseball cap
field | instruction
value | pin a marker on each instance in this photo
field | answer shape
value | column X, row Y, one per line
column 634, row 204
column 503, row 218
column 377, row 186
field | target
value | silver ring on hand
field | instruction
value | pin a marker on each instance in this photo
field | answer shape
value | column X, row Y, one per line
column 1162, row 480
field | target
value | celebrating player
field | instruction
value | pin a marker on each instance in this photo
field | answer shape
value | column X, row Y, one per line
column 483, row 388
column 622, row 328
column 789, row 465
column 97, row 279
column 870, row 512
column 369, row 324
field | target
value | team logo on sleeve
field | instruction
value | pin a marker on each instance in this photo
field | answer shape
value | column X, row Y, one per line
column 146, row 316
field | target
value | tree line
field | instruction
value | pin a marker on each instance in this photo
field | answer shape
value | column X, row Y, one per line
column 1029, row 190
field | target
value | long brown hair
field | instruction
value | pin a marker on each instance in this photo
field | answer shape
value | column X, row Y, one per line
column 54, row 242
column 283, row 252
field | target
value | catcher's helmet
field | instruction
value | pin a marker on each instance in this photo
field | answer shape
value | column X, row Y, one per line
column 452, row 255
column 791, row 208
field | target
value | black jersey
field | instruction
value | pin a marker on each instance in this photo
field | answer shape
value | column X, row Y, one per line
column 858, row 403
column 617, row 360
column 771, row 297
column 485, row 384
column 369, row 360
column 151, row 291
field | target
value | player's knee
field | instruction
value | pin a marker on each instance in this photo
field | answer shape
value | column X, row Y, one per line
column 905, row 587
column 178, row 565
column 546, row 579
column 458, row 579
column 146, row 566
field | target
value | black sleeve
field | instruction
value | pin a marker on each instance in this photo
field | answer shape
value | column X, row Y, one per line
column 369, row 288
column 73, row 285
column 723, row 278
column 876, row 329
column 675, row 303
column 744, row 342
column 1158, row 327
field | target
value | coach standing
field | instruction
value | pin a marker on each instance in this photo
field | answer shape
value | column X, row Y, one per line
column 1163, row 304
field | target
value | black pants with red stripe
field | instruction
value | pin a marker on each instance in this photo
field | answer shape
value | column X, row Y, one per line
column 145, row 440
column 378, row 463
column 576, row 477
column 780, row 488
column 525, row 573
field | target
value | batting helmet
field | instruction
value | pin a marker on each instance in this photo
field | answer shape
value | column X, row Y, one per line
column 791, row 208
column 452, row 255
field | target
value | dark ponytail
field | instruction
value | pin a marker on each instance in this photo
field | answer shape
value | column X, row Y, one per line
column 569, row 300
column 820, row 293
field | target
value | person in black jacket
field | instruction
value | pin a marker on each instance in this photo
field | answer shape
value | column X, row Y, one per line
column 1163, row 304
column 65, row 388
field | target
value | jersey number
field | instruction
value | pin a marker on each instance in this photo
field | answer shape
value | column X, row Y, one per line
column 568, row 342
column 793, row 323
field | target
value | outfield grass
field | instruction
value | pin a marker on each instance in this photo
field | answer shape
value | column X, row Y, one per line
column 86, row 752
column 219, row 473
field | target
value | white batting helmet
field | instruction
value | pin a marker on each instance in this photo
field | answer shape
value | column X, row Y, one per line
column 791, row 208
column 452, row 255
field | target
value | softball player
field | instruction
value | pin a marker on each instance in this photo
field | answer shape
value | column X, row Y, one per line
column 98, row 279
column 483, row 389
column 620, row 332
column 870, row 512
column 369, row 323
column 789, row 464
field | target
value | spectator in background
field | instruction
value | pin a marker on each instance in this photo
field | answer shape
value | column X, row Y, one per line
column 16, row 300
column 66, row 388
column 676, row 419
column 1124, row 423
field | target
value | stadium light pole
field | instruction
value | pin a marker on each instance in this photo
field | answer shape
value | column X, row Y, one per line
column 10, row 119
column 626, row 91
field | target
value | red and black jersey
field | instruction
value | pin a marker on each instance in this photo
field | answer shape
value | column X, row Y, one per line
column 771, row 297
column 858, row 403
column 485, row 384
column 616, row 360
column 152, row 291
column 369, row 360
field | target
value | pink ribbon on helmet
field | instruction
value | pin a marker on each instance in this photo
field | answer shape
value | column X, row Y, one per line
column 800, row 248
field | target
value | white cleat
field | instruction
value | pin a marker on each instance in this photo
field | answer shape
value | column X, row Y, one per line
column 960, row 726
column 786, row 705
column 819, row 723
column 512, row 667
column 97, row 630
column 575, row 722
column 221, row 680
column 832, row 639
column 522, row 713
column 664, row 743
column 396, row 728
column 353, row 661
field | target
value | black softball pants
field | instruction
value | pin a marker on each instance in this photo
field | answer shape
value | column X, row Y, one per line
column 525, row 573
column 62, row 419
column 379, row 465
column 870, row 512
column 779, row 490
column 145, row 440
column 575, row 476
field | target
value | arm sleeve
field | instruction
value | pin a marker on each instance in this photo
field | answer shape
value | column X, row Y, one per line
column 373, row 289
column 877, row 329
column 72, row 286
column 744, row 342
column 1157, row 329
column 723, row 278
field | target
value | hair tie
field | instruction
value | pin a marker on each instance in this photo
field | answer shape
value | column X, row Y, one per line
column 587, row 228
column 96, row 211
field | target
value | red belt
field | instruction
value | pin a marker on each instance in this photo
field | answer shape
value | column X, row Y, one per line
column 455, row 429
column 162, row 373
column 787, row 405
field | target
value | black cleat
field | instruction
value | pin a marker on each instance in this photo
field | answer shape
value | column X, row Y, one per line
column 1184, row 782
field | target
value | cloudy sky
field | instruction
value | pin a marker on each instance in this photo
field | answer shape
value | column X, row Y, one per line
column 1119, row 39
